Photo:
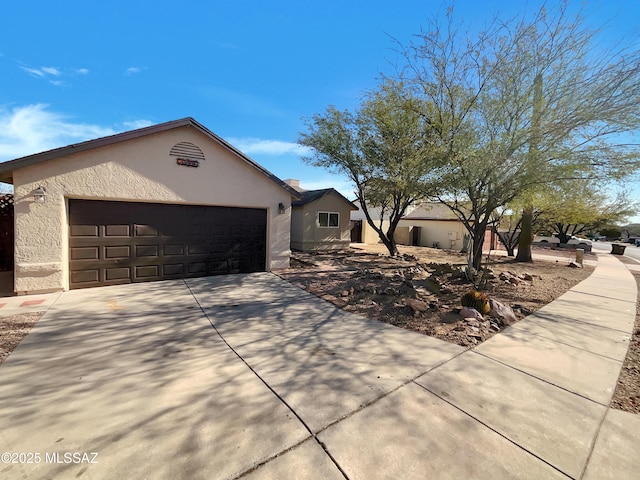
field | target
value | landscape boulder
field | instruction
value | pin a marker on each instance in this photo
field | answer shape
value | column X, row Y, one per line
column 417, row 305
column 468, row 312
column 502, row 312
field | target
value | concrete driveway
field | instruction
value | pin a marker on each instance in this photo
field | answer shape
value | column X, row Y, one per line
column 247, row 376
column 204, row 378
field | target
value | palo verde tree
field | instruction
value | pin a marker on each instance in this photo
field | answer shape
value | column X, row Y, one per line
column 520, row 105
column 385, row 148
column 579, row 207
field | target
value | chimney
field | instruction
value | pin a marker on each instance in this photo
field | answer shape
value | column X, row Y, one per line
column 295, row 184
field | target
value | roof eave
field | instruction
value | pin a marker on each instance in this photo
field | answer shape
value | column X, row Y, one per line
column 7, row 168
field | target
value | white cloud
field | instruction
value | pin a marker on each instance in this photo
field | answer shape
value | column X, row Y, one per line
column 45, row 72
column 82, row 71
column 34, row 72
column 135, row 124
column 256, row 146
column 133, row 70
column 51, row 71
column 33, row 128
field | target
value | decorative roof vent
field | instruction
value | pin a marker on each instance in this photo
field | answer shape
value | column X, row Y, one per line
column 187, row 154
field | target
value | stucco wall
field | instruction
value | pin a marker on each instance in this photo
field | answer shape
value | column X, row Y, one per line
column 135, row 170
column 308, row 235
column 437, row 231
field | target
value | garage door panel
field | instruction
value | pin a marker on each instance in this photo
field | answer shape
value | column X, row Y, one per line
column 197, row 250
column 173, row 269
column 85, row 253
column 84, row 230
column 147, row 250
column 115, row 252
column 145, row 231
column 85, row 277
column 120, row 242
column 172, row 250
column 147, row 271
column 196, row 267
column 117, row 273
column 117, row 231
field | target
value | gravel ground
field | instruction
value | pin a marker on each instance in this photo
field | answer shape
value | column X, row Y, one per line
column 421, row 290
column 13, row 329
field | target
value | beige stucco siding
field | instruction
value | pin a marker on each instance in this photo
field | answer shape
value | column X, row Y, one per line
column 134, row 170
column 438, row 232
column 307, row 234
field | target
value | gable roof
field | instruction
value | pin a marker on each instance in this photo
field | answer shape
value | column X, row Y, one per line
column 7, row 168
column 308, row 196
column 432, row 211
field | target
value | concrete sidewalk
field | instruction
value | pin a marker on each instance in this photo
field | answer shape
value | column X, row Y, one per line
column 247, row 376
column 543, row 385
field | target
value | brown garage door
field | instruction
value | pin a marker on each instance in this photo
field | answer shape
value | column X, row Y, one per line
column 121, row 242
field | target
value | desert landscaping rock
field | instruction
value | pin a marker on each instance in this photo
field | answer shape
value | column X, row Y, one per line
column 420, row 290
column 502, row 312
column 468, row 312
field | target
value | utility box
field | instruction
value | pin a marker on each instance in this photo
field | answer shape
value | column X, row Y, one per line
column 453, row 235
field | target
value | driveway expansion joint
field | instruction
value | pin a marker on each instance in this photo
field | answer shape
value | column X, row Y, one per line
column 282, row 400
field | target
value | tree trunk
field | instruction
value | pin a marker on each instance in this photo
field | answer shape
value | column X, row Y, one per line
column 479, row 231
column 526, row 236
column 390, row 243
column 526, row 230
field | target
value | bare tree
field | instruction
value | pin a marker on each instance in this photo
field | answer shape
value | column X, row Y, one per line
column 522, row 104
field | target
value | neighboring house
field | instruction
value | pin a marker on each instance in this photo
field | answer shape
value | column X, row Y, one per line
column 434, row 225
column 364, row 233
column 169, row 201
column 320, row 219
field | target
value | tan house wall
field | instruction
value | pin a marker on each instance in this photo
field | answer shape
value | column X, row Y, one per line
column 437, row 231
column 134, row 170
column 306, row 234
column 370, row 236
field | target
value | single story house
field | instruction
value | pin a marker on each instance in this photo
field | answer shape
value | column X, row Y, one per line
column 433, row 224
column 320, row 219
column 362, row 232
column 168, row 201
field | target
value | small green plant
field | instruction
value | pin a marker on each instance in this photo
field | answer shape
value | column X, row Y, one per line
column 477, row 300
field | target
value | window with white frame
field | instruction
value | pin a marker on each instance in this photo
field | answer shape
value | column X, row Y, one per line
column 328, row 219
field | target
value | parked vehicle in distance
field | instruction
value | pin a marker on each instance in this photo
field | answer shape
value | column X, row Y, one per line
column 554, row 239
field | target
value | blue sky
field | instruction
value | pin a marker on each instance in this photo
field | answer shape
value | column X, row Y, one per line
column 250, row 71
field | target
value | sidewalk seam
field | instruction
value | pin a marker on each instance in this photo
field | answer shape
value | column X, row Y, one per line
column 386, row 394
column 593, row 443
column 578, row 348
column 513, row 442
column 542, row 379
